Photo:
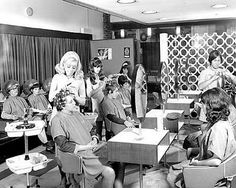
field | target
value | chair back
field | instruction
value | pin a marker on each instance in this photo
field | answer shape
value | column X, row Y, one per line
column 206, row 177
column 70, row 162
column 230, row 166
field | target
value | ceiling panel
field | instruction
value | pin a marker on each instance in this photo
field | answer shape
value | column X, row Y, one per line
column 168, row 11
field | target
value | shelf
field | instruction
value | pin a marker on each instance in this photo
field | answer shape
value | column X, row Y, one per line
column 19, row 165
column 13, row 131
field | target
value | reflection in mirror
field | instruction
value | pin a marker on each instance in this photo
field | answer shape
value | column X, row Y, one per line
column 139, row 92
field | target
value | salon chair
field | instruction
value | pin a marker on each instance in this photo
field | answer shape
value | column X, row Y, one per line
column 71, row 164
column 207, row 177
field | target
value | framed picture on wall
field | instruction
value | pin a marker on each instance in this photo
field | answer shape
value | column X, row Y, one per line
column 105, row 53
column 127, row 52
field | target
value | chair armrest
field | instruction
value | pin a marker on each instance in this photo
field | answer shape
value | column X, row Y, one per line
column 202, row 176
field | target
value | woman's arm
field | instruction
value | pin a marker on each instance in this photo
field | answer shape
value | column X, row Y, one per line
column 67, row 146
column 7, row 111
column 88, row 87
column 81, row 94
column 5, row 115
column 229, row 75
column 204, row 83
column 101, row 86
column 213, row 161
column 53, row 89
column 115, row 119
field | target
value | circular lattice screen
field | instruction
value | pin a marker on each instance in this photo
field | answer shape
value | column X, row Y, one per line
column 187, row 57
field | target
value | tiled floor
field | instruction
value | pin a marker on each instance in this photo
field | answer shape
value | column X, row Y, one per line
column 155, row 177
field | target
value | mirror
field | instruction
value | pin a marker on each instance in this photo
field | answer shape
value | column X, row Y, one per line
column 139, row 92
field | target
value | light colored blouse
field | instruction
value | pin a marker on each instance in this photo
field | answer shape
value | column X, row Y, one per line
column 61, row 81
column 220, row 140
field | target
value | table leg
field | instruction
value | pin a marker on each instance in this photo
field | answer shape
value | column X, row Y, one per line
column 141, row 175
column 27, row 180
column 27, row 158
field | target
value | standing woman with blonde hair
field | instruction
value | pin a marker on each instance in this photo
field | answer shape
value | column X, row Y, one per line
column 69, row 75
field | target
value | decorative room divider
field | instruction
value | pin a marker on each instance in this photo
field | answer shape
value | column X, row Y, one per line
column 188, row 56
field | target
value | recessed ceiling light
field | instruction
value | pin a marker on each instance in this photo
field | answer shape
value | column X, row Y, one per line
column 149, row 12
column 126, row 1
column 164, row 18
column 219, row 6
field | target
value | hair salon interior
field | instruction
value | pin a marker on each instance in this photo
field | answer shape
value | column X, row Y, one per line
column 165, row 46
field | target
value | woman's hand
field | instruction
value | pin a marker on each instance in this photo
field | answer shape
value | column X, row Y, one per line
column 129, row 124
column 80, row 100
column 102, row 84
column 194, row 162
column 15, row 117
column 227, row 74
column 92, row 145
column 215, row 77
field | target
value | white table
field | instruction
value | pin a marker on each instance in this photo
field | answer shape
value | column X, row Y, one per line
column 127, row 147
column 191, row 94
column 180, row 104
column 154, row 118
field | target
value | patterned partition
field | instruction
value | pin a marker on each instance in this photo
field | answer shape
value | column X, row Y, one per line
column 187, row 57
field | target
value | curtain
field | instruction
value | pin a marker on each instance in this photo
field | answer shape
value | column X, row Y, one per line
column 30, row 57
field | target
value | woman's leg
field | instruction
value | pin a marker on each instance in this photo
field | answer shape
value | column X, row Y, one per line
column 108, row 175
column 99, row 126
column 192, row 152
column 120, row 174
column 42, row 136
column 63, row 178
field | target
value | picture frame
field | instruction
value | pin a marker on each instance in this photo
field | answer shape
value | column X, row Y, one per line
column 104, row 53
column 127, row 52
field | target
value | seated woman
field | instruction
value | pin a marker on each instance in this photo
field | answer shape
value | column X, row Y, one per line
column 218, row 139
column 71, row 132
column 37, row 99
column 14, row 107
column 125, row 92
column 42, row 107
column 193, row 140
column 126, row 70
column 116, row 119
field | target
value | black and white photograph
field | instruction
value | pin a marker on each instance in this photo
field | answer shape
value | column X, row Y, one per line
column 117, row 94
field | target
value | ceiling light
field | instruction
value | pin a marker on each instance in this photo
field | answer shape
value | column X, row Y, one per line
column 122, row 33
column 216, row 6
column 126, row 1
column 164, row 18
column 149, row 12
column 177, row 30
column 149, row 31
